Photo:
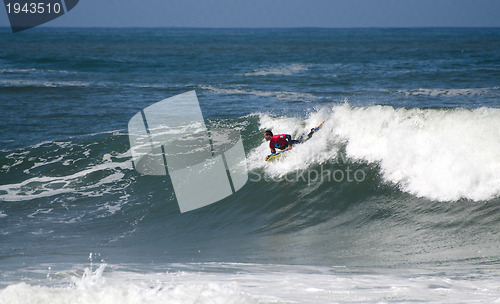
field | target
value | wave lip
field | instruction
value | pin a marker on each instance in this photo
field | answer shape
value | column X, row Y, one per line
column 443, row 155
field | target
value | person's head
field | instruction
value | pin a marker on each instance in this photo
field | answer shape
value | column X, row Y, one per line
column 268, row 135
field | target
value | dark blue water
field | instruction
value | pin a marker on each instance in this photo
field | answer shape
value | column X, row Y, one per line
column 413, row 112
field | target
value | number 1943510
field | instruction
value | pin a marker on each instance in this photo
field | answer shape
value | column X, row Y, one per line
column 33, row 8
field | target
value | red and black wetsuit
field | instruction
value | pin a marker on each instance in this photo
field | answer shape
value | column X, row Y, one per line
column 280, row 141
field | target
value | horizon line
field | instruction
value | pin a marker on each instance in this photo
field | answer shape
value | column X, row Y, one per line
column 257, row 28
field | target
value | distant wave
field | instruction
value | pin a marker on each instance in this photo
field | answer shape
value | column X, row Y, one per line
column 286, row 69
column 42, row 83
column 451, row 92
column 33, row 70
column 282, row 95
column 21, row 83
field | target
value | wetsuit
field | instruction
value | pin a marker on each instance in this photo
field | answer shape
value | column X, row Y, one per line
column 281, row 141
column 311, row 133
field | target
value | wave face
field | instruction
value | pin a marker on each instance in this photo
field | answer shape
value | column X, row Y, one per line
column 374, row 185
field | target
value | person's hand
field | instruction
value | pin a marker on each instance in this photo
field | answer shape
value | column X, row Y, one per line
column 267, row 157
column 289, row 147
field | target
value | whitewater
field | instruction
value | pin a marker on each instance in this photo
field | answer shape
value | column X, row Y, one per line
column 442, row 155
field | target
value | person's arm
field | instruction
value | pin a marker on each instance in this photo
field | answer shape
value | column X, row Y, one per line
column 289, row 141
column 273, row 149
column 272, row 153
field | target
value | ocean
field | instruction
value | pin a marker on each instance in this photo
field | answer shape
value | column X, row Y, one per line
column 396, row 199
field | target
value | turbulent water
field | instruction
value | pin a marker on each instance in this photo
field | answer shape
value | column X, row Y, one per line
column 395, row 199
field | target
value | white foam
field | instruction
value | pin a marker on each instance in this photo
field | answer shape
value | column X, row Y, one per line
column 281, row 95
column 43, row 162
column 448, row 92
column 40, row 211
column 17, row 70
column 122, row 288
column 443, row 155
column 438, row 154
column 14, row 70
column 253, row 283
column 47, row 186
column 287, row 70
column 111, row 209
column 49, row 84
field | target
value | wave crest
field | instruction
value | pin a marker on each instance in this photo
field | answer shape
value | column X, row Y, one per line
column 443, row 155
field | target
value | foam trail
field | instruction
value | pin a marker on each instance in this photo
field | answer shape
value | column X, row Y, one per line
column 47, row 186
